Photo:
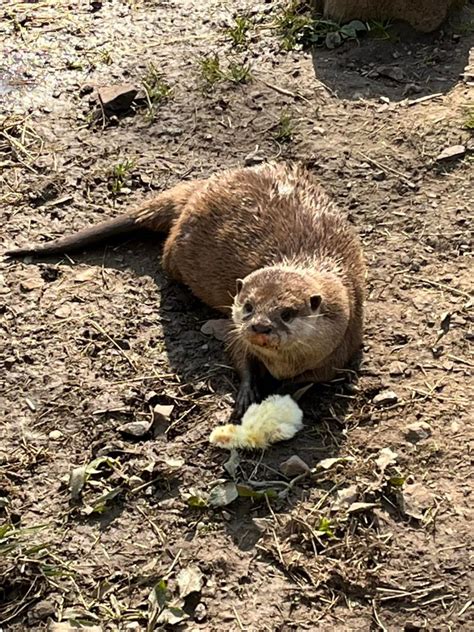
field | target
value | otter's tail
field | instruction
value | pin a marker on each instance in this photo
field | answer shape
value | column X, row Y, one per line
column 86, row 237
column 157, row 214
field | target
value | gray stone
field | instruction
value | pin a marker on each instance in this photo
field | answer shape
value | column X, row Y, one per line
column 451, row 153
column 418, row 431
column 396, row 368
column 135, row 428
column 385, row 398
column 294, row 466
column 41, row 611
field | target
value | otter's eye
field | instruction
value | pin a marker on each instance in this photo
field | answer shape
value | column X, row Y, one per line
column 248, row 307
column 287, row 315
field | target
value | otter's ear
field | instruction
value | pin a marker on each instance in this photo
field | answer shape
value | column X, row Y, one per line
column 239, row 284
column 315, row 302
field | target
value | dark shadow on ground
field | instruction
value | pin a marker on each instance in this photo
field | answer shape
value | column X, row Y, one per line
column 409, row 65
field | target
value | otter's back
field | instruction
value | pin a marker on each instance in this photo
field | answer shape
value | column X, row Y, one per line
column 246, row 219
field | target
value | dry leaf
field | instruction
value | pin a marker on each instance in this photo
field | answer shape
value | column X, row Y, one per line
column 85, row 275
column 345, row 497
column 297, row 395
column 232, row 463
column 172, row 616
column 326, row 464
column 356, row 507
column 386, row 457
column 219, row 328
column 189, row 580
column 222, row 495
column 416, row 499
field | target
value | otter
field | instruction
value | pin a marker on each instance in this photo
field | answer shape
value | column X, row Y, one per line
column 266, row 246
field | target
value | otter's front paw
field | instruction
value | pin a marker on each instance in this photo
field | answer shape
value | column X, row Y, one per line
column 248, row 394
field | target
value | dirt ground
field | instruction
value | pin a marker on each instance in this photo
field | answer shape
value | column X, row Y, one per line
column 378, row 538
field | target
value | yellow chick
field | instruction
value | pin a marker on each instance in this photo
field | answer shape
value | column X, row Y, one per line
column 277, row 418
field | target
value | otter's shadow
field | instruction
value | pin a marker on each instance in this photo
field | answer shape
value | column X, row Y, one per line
column 192, row 355
column 406, row 65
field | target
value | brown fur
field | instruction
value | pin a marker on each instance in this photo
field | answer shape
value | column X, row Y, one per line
column 274, row 227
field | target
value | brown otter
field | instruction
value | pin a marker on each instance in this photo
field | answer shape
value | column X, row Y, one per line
column 267, row 246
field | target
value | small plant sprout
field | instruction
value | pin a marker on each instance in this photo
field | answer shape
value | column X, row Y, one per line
column 105, row 56
column 119, row 175
column 325, row 528
column 238, row 73
column 293, row 25
column 238, row 32
column 379, row 30
column 211, row 71
column 157, row 89
column 469, row 118
column 284, row 131
column 296, row 26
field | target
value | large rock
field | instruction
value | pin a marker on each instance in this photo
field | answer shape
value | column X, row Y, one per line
column 423, row 15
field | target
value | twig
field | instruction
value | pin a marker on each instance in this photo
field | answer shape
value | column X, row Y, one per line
column 134, row 490
column 287, row 93
column 102, row 109
column 466, row 606
column 173, row 564
column 444, row 286
column 156, row 531
column 239, row 622
column 178, row 40
column 376, row 617
column 116, row 345
column 143, row 378
column 428, row 97
column 460, row 360
column 389, row 169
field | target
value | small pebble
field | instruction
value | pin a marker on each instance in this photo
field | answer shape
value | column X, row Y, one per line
column 135, row 428
column 55, row 435
column 294, row 466
column 396, row 368
column 200, row 612
column 418, row 431
column 451, row 153
column 385, row 398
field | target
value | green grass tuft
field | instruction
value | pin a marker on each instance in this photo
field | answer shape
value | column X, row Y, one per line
column 294, row 25
column 211, row 72
column 119, row 175
column 238, row 33
column 469, row 119
column 284, row 131
column 157, row 89
column 238, row 73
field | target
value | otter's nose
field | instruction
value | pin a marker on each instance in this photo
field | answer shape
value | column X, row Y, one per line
column 260, row 328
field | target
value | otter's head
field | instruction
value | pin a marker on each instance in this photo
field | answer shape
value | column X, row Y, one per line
column 277, row 309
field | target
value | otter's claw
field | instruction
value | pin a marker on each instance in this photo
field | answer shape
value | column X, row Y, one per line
column 248, row 394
